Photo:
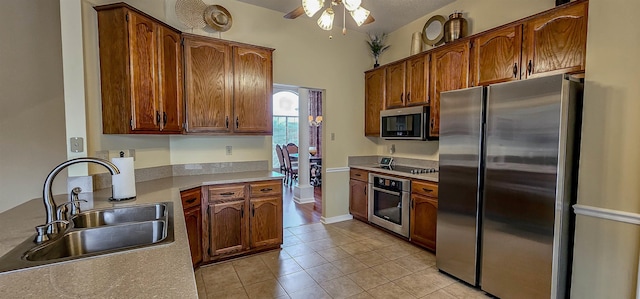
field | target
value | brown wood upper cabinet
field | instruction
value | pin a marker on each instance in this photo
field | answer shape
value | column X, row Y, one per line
column 140, row 71
column 229, row 87
column 449, row 71
column 373, row 100
column 555, row 42
column 496, row 56
column 407, row 82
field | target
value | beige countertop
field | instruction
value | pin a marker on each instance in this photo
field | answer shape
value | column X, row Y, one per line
column 162, row 271
column 433, row 177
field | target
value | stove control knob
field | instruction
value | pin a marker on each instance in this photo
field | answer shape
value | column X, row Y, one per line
column 393, row 183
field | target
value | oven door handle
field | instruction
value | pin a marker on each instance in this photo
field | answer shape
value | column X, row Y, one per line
column 387, row 191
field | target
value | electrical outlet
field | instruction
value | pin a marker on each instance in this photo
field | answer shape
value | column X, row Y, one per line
column 333, row 136
column 229, row 150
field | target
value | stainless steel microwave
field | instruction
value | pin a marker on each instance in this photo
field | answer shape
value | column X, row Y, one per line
column 404, row 123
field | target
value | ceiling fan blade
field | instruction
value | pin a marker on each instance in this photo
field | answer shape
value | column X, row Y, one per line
column 295, row 13
column 369, row 19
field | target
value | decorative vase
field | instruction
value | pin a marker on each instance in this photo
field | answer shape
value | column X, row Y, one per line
column 376, row 64
column 416, row 43
column 455, row 27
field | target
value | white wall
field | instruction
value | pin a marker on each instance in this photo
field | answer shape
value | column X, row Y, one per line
column 606, row 253
column 32, row 115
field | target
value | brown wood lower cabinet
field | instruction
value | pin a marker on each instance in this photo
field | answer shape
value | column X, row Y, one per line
column 242, row 218
column 191, row 200
column 424, row 214
column 358, row 199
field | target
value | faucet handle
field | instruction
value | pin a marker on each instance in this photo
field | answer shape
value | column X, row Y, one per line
column 41, row 230
column 61, row 210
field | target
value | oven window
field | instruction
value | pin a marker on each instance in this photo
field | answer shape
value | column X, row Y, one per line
column 388, row 207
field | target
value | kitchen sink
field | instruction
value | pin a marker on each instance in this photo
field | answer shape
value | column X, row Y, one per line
column 112, row 216
column 78, row 243
column 97, row 232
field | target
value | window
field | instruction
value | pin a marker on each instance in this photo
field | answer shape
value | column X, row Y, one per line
column 285, row 121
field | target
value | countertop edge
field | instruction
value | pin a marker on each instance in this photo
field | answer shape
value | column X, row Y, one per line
column 432, row 177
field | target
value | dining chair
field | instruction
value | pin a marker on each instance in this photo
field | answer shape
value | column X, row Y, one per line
column 283, row 168
column 292, row 148
column 292, row 171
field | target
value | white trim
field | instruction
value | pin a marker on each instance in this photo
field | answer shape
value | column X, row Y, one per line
column 335, row 219
column 615, row 215
column 303, row 200
column 336, row 169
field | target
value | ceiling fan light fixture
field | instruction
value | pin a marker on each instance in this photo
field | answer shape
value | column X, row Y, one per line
column 351, row 5
column 326, row 19
column 360, row 15
column 311, row 7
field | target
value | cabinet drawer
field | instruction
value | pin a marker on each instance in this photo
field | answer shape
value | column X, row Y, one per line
column 359, row 174
column 226, row 192
column 190, row 198
column 261, row 189
column 425, row 188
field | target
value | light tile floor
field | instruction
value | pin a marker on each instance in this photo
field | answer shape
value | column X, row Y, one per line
column 348, row 259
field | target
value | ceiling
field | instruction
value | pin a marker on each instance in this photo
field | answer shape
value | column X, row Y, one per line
column 389, row 14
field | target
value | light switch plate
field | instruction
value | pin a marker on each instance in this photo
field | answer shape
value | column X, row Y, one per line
column 76, row 144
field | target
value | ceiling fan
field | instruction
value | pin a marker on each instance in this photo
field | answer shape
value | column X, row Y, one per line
column 310, row 7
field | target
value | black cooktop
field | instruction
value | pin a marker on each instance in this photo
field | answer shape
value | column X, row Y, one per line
column 409, row 169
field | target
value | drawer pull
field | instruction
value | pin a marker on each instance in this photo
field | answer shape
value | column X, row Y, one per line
column 357, row 174
column 191, row 200
column 427, row 190
column 227, row 193
column 266, row 189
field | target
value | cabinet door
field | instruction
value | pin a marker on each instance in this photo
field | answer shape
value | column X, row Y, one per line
column 170, row 82
column 449, row 71
column 417, row 80
column 266, row 221
column 556, row 42
column 252, row 90
column 496, row 56
column 208, row 76
column 395, row 81
column 373, row 101
column 358, row 201
column 142, row 67
column 228, row 227
column 193, row 221
column 424, row 216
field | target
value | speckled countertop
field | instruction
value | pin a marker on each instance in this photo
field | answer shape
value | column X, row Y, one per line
column 162, row 271
column 433, row 177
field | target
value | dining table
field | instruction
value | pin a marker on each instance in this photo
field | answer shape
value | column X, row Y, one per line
column 312, row 159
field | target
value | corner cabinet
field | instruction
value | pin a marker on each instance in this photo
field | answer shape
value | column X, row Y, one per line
column 358, row 194
column 243, row 218
column 449, row 71
column 140, row 71
column 424, row 214
column 229, row 87
column 191, row 202
column 374, row 81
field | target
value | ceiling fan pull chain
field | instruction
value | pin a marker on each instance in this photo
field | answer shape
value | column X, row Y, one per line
column 344, row 23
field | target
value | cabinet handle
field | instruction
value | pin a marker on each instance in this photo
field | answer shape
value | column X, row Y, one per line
column 402, row 97
column 226, row 193
column 427, row 190
column 191, row 200
column 266, row 189
column 164, row 118
column 515, row 70
column 530, row 67
column 413, row 204
column 253, row 210
column 237, row 122
column 365, row 190
column 157, row 117
column 242, row 212
column 226, row 122
column 432, row 123
column 408, row 97
column 357, row 174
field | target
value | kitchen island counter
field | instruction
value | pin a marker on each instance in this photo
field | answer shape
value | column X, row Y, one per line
column 162, row 271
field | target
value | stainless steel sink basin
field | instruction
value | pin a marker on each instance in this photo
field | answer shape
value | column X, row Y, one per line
column 98, row 232
column 77, row 243
column 112, row 216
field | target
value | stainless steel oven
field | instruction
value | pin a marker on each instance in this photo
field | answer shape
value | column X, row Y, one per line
column 389, row 203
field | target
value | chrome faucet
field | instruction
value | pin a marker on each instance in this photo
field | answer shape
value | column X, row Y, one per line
column 47, row 194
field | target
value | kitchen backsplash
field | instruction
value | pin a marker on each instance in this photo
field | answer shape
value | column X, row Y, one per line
column 103, row 180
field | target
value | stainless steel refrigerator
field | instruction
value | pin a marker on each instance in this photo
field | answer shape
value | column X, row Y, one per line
column 507, row 178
